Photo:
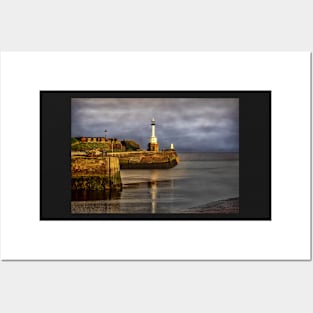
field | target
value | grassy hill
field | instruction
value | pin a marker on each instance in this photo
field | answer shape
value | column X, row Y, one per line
column 77, row 145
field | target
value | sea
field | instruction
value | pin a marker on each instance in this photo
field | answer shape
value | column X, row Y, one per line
column 199, row 179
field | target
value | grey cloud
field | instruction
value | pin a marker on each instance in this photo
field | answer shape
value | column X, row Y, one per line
column 191, row 124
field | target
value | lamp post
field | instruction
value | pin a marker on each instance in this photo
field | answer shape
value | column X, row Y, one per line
column 105, row 138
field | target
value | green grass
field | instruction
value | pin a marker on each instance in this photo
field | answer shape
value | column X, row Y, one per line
column 86, row 146
column 90, row 146
column 74, row 141
column 131, row 145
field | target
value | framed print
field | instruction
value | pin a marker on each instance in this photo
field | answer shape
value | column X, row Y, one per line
column 171, row 155
column 155, row 156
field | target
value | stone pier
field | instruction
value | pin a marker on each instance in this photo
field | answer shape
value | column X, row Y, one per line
column 96, row 173
column 147, row 159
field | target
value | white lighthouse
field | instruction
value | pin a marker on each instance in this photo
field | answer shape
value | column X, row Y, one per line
column 153, row 141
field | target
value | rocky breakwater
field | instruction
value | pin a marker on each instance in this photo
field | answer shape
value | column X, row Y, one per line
column 96, row 173
column 147, row 159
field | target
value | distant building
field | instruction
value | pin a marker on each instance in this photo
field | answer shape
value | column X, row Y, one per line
column 153, row 141
column 114, row 143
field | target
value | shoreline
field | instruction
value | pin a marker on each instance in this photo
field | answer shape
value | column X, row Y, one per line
column 226, row 206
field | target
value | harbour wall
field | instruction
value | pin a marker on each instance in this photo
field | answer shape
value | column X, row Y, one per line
column 96, row 173
column 147, row 159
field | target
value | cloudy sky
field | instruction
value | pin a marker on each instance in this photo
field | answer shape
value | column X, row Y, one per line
column 197, row 125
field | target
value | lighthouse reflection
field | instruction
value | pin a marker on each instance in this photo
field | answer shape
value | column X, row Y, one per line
column 157, row 186
column 154, row 190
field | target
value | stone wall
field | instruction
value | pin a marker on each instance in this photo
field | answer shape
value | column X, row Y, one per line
column 147, row 159
column 102, row 173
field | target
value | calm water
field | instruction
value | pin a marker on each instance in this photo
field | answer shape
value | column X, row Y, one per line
column 198, row 179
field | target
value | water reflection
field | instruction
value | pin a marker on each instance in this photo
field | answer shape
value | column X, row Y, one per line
column 95, row 202
column 155, row 183
column 154, row 190
column 188, row 185
column 84, row 195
